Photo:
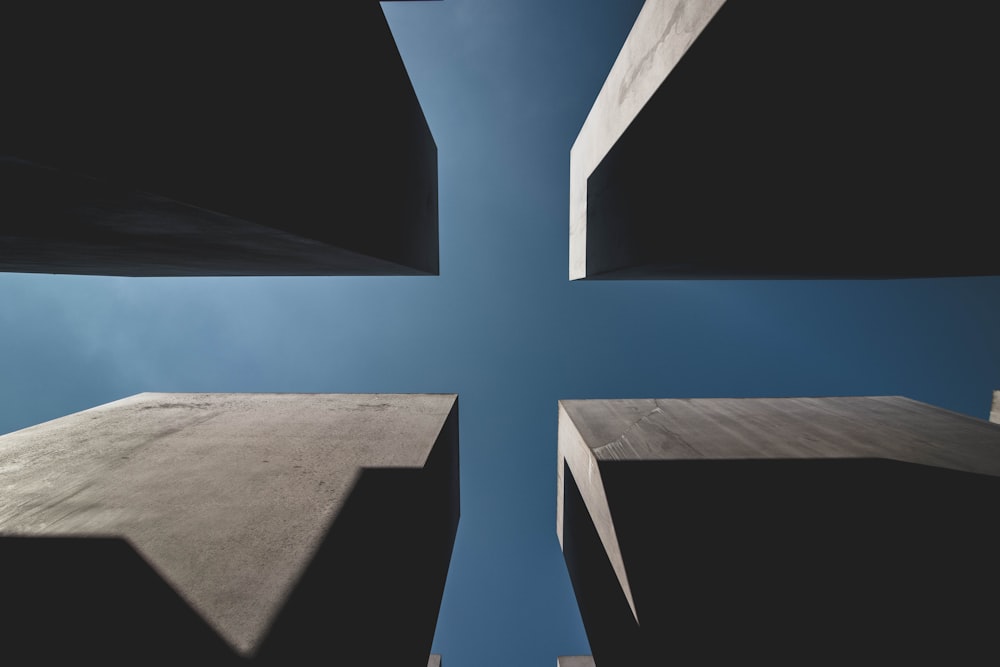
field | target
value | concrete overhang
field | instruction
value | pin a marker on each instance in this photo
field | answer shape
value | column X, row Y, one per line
column 283, row 525
column 231, row 140
column 663, row 503
column 783, row 139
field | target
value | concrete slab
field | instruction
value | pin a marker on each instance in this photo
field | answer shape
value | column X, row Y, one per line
column 271, row 143
column 575, row 661
column 995, row 410
column 856, row 524
column 282, row 525
column 776, row 138
column 434, row 661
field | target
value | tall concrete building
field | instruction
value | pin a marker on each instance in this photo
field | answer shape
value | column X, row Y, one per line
column 780, row 138
column 846, row 530
column 219, row 140
column 225, row 529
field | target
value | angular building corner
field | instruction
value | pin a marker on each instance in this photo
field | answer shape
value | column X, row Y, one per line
column 251, row 142
column 221, row 529
column 787, row 139
column 839, row 530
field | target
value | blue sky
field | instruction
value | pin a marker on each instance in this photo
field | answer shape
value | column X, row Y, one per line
column 505, row 86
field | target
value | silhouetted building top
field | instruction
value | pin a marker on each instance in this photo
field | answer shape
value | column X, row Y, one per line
column 227, row 140
column 731, row 531
column 779, row 138
column 213, row 528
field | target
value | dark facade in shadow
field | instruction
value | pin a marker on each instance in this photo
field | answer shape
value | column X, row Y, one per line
column 808, row 140
column 840, row 561
column 232, row 140
column 70, row 601
column 370, row 595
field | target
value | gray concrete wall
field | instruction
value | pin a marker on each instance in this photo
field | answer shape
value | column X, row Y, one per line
column 743, row 140
column 995, row 410
column 661, row 35
column 238, row 500
column 575, row 661
column 771, row 521
column 274, row 143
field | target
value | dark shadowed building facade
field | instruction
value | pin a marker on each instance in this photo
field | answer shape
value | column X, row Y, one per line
column 230, row 529
column 779, row 138
column 844, row 530
column 227, row 140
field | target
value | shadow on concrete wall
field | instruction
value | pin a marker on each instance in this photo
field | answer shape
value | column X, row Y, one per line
column 369, row 596
column 793, row 140
column 859, row 561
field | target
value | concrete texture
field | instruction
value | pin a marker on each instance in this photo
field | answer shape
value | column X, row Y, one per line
column 272, row 143
column 575, row 661
column 777, row 138
column 291, row 525
column 788, row 531
column 995, row 410
column 434, row 661
column 662, row 34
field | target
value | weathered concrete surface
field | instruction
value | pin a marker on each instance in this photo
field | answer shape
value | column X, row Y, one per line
column 272, row 143
column 290, row 523
column 575, row 661
column 995, row 410
column 780, row 525
column 777, row 138
column 662, row 33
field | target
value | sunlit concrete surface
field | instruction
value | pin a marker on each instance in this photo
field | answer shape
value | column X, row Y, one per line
column 778, row 138
column 788, row 530
column 575, row 661
column 138, row 141
column 223, row 527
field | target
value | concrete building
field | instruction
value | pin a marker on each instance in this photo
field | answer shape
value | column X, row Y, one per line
column 995, row 410
column 227, row 529
column 847, row 530
column 226, row 140
column 779, row 138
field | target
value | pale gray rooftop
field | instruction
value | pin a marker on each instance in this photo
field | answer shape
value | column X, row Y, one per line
column 225, row 495
column 575, row 661
column 890, row 427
